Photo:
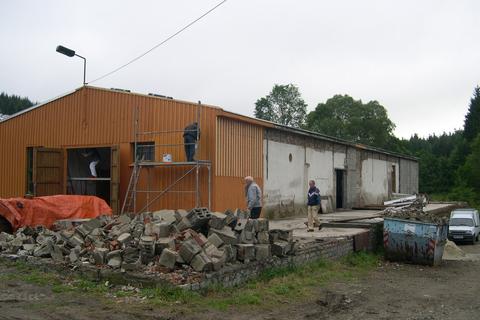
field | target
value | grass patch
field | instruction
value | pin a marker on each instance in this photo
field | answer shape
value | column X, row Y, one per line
column 272, row 287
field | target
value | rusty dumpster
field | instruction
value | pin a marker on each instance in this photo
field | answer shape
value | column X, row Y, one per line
column 413, row 241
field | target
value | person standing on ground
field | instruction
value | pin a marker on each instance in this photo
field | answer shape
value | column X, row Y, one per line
column 254, row 197
column 313, row 205
column 93, row 158
column 191, row 135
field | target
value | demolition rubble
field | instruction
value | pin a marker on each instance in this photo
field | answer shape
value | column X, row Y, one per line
column 167, row 240
column 412, row 208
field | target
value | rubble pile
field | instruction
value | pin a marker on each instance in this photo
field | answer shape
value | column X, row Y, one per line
column 414, row 211
column 163, row 240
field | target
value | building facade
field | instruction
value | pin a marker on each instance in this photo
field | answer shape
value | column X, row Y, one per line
column 41, row 152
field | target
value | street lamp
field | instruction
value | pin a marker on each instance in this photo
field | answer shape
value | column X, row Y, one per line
column 71, row 53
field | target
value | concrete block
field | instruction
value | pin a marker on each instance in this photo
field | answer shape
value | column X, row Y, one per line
column 44, row 250
column 261, row 225
column 263, row 252
column 73, row 256
column 167, row 216
column 124, row 238
column 183, row 224
column 75, row 240
column 131, row 255
column 100, row 255
column 114, row 258
column 201, row 262
column 57, row 253
column 215, row 240
column 231, row 219
column 147, row 248
column 226, row 234
column 263, row 237
column 217, row 220
column 241, row 224
column 189, row 249
column 241, row 214
column 168, row 258
column 280, row 248
column 164, row 243
column 245, row 252
column 29, row 247
column 137, row 230
column 164, row 229
column 230, row 251
column 180, row 214
column 278, row 234
column 214, row 252
column 247, row 237
column 217, row 264
column 123, row 219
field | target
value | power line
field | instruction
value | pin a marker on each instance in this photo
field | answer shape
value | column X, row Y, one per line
column 159, row 44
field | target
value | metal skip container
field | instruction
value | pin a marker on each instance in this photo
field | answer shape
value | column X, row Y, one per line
column 413, row 241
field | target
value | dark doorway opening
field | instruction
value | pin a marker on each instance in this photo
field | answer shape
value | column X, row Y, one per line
column 81, row 180
column 339, row 188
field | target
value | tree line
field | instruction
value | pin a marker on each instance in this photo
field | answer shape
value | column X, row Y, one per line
column 10, row 104
column 449, row 163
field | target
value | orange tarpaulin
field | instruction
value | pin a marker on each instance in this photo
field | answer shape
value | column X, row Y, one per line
column 45, row 211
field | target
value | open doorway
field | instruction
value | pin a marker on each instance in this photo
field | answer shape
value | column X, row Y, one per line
column 89, row 172
column 339, row 188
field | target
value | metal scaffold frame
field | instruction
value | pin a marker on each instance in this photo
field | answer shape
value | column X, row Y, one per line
column 192, row 167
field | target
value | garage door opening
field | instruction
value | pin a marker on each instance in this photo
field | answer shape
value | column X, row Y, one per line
column 89, row 172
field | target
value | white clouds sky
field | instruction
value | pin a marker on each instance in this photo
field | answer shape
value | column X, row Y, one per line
column 419, row 59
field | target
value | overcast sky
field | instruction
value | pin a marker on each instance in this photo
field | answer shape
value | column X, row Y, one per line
column 419, row 59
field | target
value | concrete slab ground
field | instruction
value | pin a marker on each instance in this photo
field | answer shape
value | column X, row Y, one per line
column 368, row 216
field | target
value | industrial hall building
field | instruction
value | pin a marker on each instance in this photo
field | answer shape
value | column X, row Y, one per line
column 138, row 140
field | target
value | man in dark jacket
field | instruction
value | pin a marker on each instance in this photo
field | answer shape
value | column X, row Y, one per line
column 313, row 206
column 190, row 136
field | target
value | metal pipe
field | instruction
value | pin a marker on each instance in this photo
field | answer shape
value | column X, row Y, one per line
column 84, row 68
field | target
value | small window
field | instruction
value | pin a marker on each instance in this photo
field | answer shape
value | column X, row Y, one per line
column 290, row 157
column 145, row 151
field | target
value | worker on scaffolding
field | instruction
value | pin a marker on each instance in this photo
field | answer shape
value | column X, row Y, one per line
column 191, row 135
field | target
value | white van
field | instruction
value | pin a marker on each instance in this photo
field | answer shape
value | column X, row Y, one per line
column 464, row 225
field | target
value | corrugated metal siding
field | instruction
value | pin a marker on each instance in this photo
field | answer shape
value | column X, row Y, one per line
column 239, row 149
column 94, row 117
column 239, row 154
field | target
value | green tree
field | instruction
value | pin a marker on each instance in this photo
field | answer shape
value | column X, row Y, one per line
column 10, row 104
column 344, row 117
column 283, row 105
column 472, row 119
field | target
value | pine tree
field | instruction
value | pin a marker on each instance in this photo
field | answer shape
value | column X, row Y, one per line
column 472, row 119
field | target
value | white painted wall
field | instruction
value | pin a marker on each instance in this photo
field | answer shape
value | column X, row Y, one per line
column 374, row 181
column 285, row 180
column 286, row 183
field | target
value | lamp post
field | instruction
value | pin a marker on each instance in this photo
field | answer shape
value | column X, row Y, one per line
column 71, row 53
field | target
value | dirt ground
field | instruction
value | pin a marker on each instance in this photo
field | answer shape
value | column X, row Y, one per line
column 391, row 291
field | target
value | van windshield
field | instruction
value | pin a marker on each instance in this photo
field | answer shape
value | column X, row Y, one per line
column 461, row 222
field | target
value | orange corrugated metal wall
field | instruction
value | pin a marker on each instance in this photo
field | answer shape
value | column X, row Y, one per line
column 239, row 154
column 98, row 117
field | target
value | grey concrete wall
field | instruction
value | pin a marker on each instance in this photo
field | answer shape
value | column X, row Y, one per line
column 408, row 179
column 290, row 160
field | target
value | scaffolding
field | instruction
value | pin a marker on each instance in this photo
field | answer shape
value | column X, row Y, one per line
column 140, row 164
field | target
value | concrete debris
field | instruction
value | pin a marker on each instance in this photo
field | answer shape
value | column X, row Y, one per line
column 413, row 210
column 176, row 240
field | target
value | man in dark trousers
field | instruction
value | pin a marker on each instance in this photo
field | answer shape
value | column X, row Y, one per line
column 191, row 135
column 313, row 205
column 254, row 197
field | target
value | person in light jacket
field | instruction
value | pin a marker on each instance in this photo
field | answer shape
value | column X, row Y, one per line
column 254, row 197
column 313, row 205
